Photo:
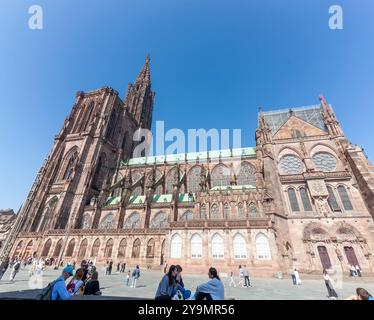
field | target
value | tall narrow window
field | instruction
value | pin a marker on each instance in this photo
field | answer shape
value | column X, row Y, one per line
column 305, row 199
column 332, row 200
column 214, row 212
column 347, row 205
column 196, row 246
column 218, row 248
column 227, row 210
column 293, row 200
column 240, row 250
column 252, row 211
column 262, row 247
column 70, row 166
column 240, row 211
column 176, row 246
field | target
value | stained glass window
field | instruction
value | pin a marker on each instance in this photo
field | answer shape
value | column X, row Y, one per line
column 194, row 179
column 293, row 200
column 291, row 164
column 220, row 176
column 188, row 215
column 332, row 200
column 305, row 199
column 252, row 210
column 70, row 166
column 347, row 205
column 159, row 221
column 324, row 161
column 107, row 222
column 171, row 180
column 86, row 221
column 133, row 221
column 246, row 175
column 214, row 212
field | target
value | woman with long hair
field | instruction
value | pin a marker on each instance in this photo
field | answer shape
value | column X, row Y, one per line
column 362, row 294
column 211, row 290
column 76, row 285
column 167, row 284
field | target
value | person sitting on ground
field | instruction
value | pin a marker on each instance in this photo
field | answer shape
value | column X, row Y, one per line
column 59, row 291
column 180, row 285
column 361, row 294
column 167, row 284
column 92, row 285
column 213, row 289
column 76, row 285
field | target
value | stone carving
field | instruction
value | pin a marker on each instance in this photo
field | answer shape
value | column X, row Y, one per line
column 323, row 206
column 317, row 188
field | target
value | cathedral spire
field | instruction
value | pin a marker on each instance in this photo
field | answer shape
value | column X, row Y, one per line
column 145, row 73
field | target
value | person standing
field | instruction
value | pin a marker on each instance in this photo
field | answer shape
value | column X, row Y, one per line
column 241, row 276
column 118, row 266
column 135, row 276
column 110, row 267
column 353, row 271
column 358, row 270
column 167, row 284
column 297, row 277
column 232, row 281
column 331, row 293
column 128, row 278
column 4, row 267
column 247, row 282
column 16, row 267
column 123, row 267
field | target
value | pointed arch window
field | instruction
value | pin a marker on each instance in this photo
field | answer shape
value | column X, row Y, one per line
column 46, row 248
column 171, row 180
column 133, row 221
column 58, row 248
column 262, row 247
column 305, row 199
column 214, row 212
column 108, row 249
column 70, row 166
column 220, row 176
column 203, row 211
column 83, row 249
column 159, row 221
column 136, row 249
column 71, row 247
column 241, row 214
column 196, row 246
column 246, row 175
column 107, row 222
column 122, row 248
column 240, row 250
column 252, row 211
column 188, row 215
column 176, row 246
column 343, row 194
column 218, row 247
column 332, row 200
column 151, row 248
column 86, row 221
column 194, row 179
column 95, row 248
column 293, row 200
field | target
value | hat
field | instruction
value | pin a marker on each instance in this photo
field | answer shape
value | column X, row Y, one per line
column 68, row 269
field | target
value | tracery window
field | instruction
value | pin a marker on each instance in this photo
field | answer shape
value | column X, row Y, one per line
column 188, row 215
column 194, row 179
column 252, row 210
column 176, row 246
column 133, row 221
column 240, row 250
column 227, row 211
column 305, row 199
column 122, row 248
column 196, row 246
column 324, row 161
column 262, row 247
column 241, row 214
column 171, row 180
column 86, row 221
column 70, row 166
column 203, row 211
column 159, row 221
column 220, row 176
column 107, row 222
column 246, row 175
column 291, row 164
column 332, row 200
column 218, row 247
column 214, row 212
column 347, row 205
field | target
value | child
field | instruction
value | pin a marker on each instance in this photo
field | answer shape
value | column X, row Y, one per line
column 127, row 278
column 232, row 279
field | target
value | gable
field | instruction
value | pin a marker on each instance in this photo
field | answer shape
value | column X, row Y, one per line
column 297, row 128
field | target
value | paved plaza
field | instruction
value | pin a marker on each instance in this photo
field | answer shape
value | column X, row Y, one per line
column 114, row 286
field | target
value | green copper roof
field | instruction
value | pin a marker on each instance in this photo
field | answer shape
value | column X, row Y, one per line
column 137, row 199
column 184, row 197
column 161, row 198
column 192, row 156
column 113, row 201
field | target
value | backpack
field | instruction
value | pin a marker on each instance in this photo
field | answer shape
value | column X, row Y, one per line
column 46, row 293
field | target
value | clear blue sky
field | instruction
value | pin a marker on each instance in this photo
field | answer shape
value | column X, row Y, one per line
column 213, row 64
